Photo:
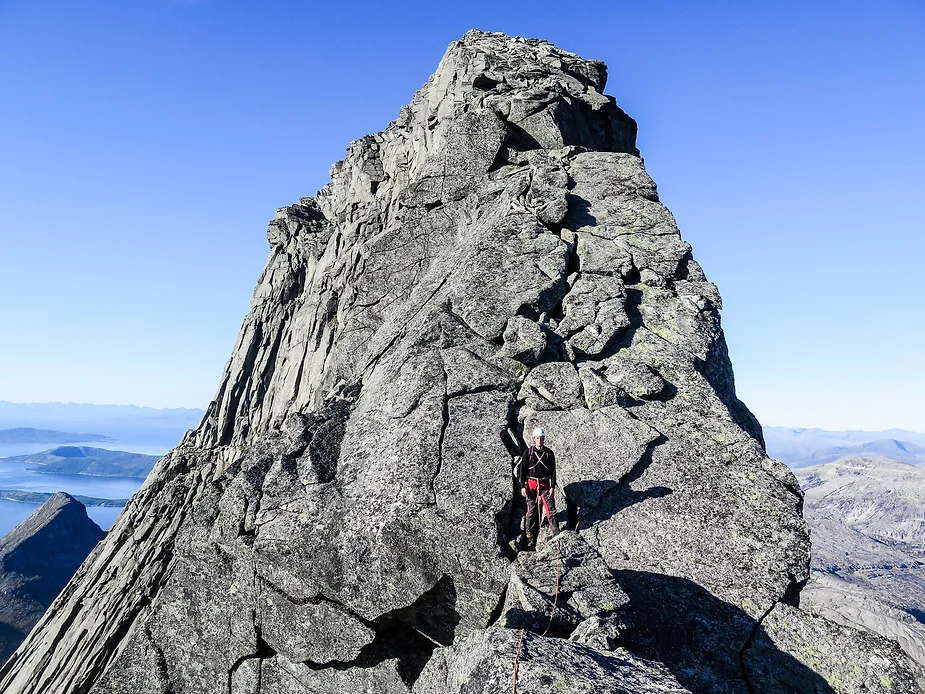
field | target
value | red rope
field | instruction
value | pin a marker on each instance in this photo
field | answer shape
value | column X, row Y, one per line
column 517, row 660
column 555, row 599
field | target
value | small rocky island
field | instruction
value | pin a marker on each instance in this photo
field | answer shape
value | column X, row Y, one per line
column 84, row 460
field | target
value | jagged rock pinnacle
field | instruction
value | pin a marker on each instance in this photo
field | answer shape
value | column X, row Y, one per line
column 37, row 558
column 496, row 258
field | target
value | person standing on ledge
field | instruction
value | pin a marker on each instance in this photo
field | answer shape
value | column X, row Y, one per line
column 538, row 485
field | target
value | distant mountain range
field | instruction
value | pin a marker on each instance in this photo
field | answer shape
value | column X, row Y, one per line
column 83, row 460
column 867, row 522
column 900, row 451
column 802, row 447
column 30, row 435
column 122, row 422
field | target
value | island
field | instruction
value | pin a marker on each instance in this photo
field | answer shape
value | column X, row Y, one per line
column 83, row 460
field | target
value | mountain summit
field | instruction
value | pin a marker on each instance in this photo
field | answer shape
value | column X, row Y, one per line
column 496, row 259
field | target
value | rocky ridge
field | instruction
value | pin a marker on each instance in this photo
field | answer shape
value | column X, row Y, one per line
column 496, row 258
column 37, row 559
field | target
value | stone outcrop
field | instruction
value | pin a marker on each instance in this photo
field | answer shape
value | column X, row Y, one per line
column 496, row 258
column 37, row 559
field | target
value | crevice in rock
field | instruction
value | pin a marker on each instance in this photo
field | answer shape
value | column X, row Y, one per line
column 448, row 308
column 624, row 337
column 633, row 277
column 791, row 595
column 490, row 388
column 317, row 599
column 498, row 610
column 794, row 489
column 400, row 332
column 264, row 651
column 254, row 477
column 237, row 390
column 748, row 644
column 297, row 383
column 508, row 518
column 550, row 300
column 330, row 311
column 443, row 427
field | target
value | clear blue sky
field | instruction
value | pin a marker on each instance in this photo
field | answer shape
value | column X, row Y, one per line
column 144, row 145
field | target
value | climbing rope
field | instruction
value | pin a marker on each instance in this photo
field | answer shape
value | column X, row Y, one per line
column 555, row 599
column 517, row 660
column 555, row 602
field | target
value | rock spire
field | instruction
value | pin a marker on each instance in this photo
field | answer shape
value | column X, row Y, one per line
column 37, row 559
column 496, row 258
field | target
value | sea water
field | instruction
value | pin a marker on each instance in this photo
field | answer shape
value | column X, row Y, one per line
column 20, row 476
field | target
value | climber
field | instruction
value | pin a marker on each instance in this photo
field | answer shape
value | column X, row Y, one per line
column 537, row 476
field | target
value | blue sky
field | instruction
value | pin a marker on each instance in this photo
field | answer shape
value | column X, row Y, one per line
column 144, row 145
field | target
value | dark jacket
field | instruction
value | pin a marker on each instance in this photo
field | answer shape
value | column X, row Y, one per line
column 541, row 465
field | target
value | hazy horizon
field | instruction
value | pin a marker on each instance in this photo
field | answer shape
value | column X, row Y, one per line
column 201, row 410
column 785, row 139
column 98, row 404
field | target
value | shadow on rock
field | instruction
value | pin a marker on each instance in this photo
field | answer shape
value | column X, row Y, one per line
column 615, row 497
column 579, row 212
column 434, row 613
column 705, row 642
column 409, row 635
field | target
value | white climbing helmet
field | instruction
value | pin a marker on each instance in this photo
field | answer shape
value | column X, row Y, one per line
column 539, row 431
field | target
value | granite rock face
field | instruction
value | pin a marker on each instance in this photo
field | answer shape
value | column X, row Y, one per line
column 37, row 559
column 496, row 259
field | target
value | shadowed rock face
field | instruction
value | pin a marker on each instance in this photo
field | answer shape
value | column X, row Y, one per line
column 37, row 558
column 496, row 258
